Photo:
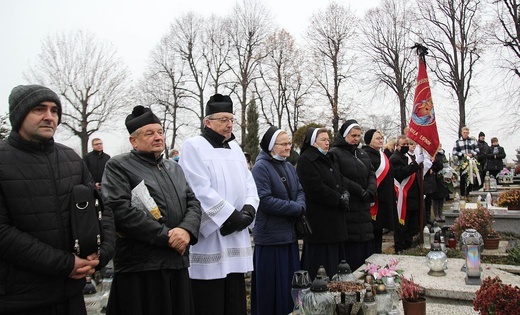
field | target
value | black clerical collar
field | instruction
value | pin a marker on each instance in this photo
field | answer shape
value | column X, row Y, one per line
column 215, row 139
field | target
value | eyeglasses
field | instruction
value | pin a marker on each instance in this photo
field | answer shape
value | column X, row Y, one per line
column 323, row 139
column 98, row 143
column 284, row 144
column 224, row 120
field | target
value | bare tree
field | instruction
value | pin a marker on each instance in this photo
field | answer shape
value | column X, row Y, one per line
column 283, row 86
column 387, row 31
column 247, row 27
column 90, row 77
column 216, row 52
column 455, row 38
column 163, row 86
column 508, row 15
column 507, row 35
column 329, row 34
column 187, row 33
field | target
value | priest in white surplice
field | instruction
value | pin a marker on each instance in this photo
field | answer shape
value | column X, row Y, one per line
column 216, row 170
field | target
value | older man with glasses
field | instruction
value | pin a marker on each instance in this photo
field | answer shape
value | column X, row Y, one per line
column 217, row 172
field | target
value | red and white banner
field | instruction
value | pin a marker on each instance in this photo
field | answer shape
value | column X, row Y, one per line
column 423, row 127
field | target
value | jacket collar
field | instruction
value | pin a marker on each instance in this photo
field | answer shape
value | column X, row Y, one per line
column 36, row 146
column 147, row 157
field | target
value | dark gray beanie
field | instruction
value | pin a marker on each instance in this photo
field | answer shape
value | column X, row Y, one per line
column 23, row 98
column 140, row 116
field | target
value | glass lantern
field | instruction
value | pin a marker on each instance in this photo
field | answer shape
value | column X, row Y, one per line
column 369, row 304
column 93, row 300
column 383, row 300
column 391, row 290
column 437, row 261
column 318, row 300
column 464, row 241
column 344, row 272
column 300, row 284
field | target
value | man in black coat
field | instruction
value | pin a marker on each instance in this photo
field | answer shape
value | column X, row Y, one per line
column 96, row 160
column 406, row 174
column 39, row 274
column 157, row 218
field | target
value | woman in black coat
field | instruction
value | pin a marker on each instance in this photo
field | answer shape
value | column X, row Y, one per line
column 359, row 180
column 494, row 158
column 325, row 212
column 384, row 209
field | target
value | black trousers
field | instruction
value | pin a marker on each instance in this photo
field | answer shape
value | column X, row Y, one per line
column 75, row 305
column 464, row 190
column 225, row 296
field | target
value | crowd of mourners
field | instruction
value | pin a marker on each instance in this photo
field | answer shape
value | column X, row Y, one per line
column 179, row 229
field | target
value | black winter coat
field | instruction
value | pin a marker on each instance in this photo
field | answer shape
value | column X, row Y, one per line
column 385, row 193
column 96, row 164
column 359, row 179
column 430, row 183
column 36, row 259
column 494, row 158
column 322, row 185
column 142, row 241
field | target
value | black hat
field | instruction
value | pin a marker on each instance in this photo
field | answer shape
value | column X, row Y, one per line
column 219, row 103
column 140, row 116
column 481, row 134
column 368, row 136
column 347, row 125
column 269, row 138
column 23, row 98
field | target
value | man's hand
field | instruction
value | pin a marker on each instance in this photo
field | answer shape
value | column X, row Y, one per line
column 179, row 239
column 84, row 267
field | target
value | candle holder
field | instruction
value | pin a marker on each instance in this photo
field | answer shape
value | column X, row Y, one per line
column 472, row 243
column 437, row 261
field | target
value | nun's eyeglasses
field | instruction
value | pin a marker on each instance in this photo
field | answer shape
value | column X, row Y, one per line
column 284, row 144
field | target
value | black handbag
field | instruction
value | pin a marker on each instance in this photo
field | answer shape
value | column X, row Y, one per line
column 301, row 225
column 86, row 216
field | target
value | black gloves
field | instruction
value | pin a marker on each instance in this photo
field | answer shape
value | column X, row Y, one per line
column 366, row 196
column 238, row 220
column 344, row 201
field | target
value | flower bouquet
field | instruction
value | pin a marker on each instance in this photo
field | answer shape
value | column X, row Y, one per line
column 469, row 167
column 480, row 219
column 509, row 198
column 379, row 273
column 496, row 298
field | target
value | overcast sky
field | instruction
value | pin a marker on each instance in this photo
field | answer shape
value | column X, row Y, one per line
column 135, row 27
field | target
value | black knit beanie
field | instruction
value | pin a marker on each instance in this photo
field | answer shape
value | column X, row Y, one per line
column 369, row 135
column 140, row 116
column 23, row 98
column 481, row 134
